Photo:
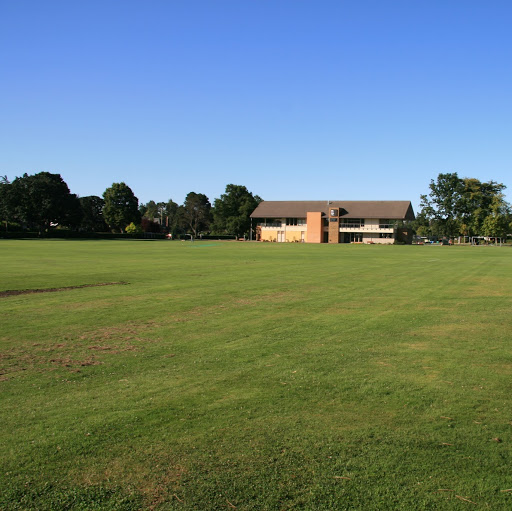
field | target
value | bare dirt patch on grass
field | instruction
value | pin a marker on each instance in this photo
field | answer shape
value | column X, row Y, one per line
column 42, row 358
column 157, row 485
column 16, row 292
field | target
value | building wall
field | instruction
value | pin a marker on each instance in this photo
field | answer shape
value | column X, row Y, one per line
column 315, row 230
column 375, row 238
column 284, row 234
column 334, row 230
column 268, row 234
column 295, row 235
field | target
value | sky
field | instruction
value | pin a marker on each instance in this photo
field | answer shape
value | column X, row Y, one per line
column 294, row 99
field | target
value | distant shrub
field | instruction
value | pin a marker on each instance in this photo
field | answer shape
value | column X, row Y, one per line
column 132, row 228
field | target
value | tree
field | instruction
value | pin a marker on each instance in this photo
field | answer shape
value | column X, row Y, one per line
column 121, row 206
column 195, row 212
column 42, row 200
column 132, row 228
column 92, row 214
column 171, row 216
column 165, row 212
column 149, row 226
column 149, row 210
column 233, row 209
column 4, row 189
column 498, row 222
column 458, row 206
column 478, row 201
column 442, row 207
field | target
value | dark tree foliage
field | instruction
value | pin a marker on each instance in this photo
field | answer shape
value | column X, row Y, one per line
column 150, row 226
column 165, row 212
column 149, row 210
column 460, row 206
column 4, row 189
column 171, row 216
column 195, row 215
column 42, row 200
column 233, row 209
column 92, row 214
column 121, row 207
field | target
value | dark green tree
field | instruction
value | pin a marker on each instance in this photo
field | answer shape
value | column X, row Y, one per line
column 165, row 212
column 121, row 207
column 498, row 221
column 42, row 200
column 92, row 214
column 4, row 189
column 442, row 207
column 479, row 200
column 149, row 210
column 195, row 213
column 231, row 214
column 171, row 216
column 459, row 206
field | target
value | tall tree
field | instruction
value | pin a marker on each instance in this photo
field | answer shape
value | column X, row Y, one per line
column 166, row 212
column 92, row 214
column 149, row 210
column 457, row 206
column 121, row 206
column 41, row 200
column 477, row 203
column 195, row 212
column 232, row 210
column 4, row 189
column 442, row 206
column 498, row 222
column 171, row 216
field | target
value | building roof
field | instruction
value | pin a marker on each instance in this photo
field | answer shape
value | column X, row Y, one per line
column 352, row 209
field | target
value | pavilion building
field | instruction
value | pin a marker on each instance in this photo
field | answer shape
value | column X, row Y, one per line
column 333, row 221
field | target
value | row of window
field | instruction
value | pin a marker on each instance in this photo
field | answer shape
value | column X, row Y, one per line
column 347, row 222
column 358, row 236
column 295, row 221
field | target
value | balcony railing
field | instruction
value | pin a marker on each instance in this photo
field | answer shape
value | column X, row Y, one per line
column 365, row 228
column 270, row 224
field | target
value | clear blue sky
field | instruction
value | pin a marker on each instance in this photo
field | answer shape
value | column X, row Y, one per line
column 294, row 99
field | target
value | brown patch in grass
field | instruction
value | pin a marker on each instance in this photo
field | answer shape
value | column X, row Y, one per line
column 114, row 349
column 156, row 489
column 16, row 292
column 63, row 355
column 69, row 362
column 418, row 346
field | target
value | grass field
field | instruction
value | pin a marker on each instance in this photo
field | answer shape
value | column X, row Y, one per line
column 214, row 375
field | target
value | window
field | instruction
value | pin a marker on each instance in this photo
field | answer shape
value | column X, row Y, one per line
column 271, row 222
column 353, row 222
column 386, row 235
column 334, row 212
column 295, row 221
column 386, row 223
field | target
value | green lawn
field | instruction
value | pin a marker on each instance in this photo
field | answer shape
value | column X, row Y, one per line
column 213, row 375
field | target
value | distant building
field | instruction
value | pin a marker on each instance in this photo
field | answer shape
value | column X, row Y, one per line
column 333, row 221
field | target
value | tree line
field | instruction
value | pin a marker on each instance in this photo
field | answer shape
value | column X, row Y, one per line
column 458, row 206
column 43, row 201
column 453, row 207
